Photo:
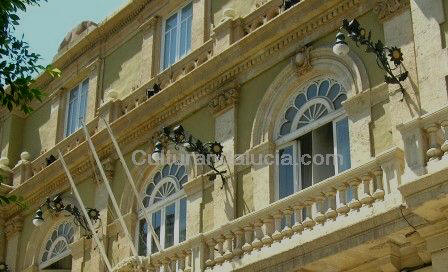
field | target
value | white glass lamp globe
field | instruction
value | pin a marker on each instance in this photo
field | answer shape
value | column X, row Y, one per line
column 341, row 49
column 156, row 156
column 38, row 221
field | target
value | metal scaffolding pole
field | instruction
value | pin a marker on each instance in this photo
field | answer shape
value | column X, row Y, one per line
column 111, row 194
column 86, row 215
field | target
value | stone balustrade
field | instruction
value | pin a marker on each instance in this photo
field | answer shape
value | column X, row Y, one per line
column 367, row 187
column 426, row 142
column 262, row 15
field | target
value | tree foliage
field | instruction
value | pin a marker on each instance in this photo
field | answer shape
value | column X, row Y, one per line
column 18, row 64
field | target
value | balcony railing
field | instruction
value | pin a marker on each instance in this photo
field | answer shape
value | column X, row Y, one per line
column 372, row 185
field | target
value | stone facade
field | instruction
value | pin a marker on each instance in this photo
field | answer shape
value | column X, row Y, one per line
column 388, row 212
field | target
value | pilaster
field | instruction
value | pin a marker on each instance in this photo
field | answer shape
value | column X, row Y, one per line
column 148, row 29
column 223, row 106
column 23, row 169
column 13, row 229
column 431, row 58
column 437, row 246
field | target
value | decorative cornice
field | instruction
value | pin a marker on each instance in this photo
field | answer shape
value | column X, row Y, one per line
column 13, row 226
column 224, row 100
column 387, row 9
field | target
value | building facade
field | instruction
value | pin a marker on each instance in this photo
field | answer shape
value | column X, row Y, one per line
column 261, row 78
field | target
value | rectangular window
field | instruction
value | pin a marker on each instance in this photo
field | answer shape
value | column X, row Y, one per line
column 321, row 153
column 156, row 223
column 76, row 110
column 286, row 172
column 143, row 232
column 169, row 225
column 183, row 220
column 177, row 36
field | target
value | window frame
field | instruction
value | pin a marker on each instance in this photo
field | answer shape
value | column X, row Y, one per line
column 67, row 105
column 177, row 11
column 45, row 264
column 292, row 139
column 161, row 206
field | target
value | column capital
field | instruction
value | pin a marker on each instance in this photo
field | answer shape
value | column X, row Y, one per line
column 13, row 226
column 224, row 100
column 386, row 9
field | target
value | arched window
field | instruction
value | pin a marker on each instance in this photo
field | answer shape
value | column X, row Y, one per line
column 56, row 254
column 164, row 200
column 312, row 137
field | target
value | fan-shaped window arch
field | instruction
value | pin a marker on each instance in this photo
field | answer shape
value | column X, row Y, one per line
column 316, row 100
column 164, row 199
column 313, row 130
column 56, row 251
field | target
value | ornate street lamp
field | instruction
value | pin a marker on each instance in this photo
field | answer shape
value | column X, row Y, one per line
column 3, row 267
column 57, row 205
column 361, row 38
column 179, row 137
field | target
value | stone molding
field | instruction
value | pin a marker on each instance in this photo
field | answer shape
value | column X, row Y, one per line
column 13, row 226
column 386, row 9
column 303, row 60
column 223, row 101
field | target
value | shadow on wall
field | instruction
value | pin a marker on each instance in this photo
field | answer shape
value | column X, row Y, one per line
column 122, row 67
column 37, row 131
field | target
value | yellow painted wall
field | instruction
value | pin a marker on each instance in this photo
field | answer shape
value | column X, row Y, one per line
column 381, row 133
column 369, row 20
column 242, row 8
column 36, row 129
column 122, row 67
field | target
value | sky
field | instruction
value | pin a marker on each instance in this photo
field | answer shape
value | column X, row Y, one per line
column 45, row 26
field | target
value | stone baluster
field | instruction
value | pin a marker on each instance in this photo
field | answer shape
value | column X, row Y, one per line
column 434, row 151
column 366, row 196
column 181, row 257
column 258, row 235
column 317, row 207
column 287, row 231
column 220, row 247
column 239, row 241
column 247, row 247
column 331, row 202
column 210, row 262
column 277, row 235
column 341, row 200
column 228, row 253
column 445, row 135
column 354, row 186
column 298, row 226
column 379, row 185
column 308, row 222
column 268, row 230
column 188, row 260
column 166, row 264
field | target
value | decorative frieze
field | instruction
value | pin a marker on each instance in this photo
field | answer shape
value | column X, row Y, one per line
column 386, row 9
column 224, row 100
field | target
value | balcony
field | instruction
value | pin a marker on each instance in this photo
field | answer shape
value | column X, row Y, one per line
column 317, row 211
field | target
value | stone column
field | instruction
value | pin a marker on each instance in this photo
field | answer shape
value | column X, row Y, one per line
column 437, row 246
column 397, row 23
column 359, row 115
column 12, row 135
column 431, row 59
column 148, row 30
column 13, row 229
column 224, row 109
column 200, row 23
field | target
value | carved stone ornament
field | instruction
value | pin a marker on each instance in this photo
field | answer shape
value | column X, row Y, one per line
column 13, row 226
column 224, row 100
column 386, row 9
column 303, row 60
